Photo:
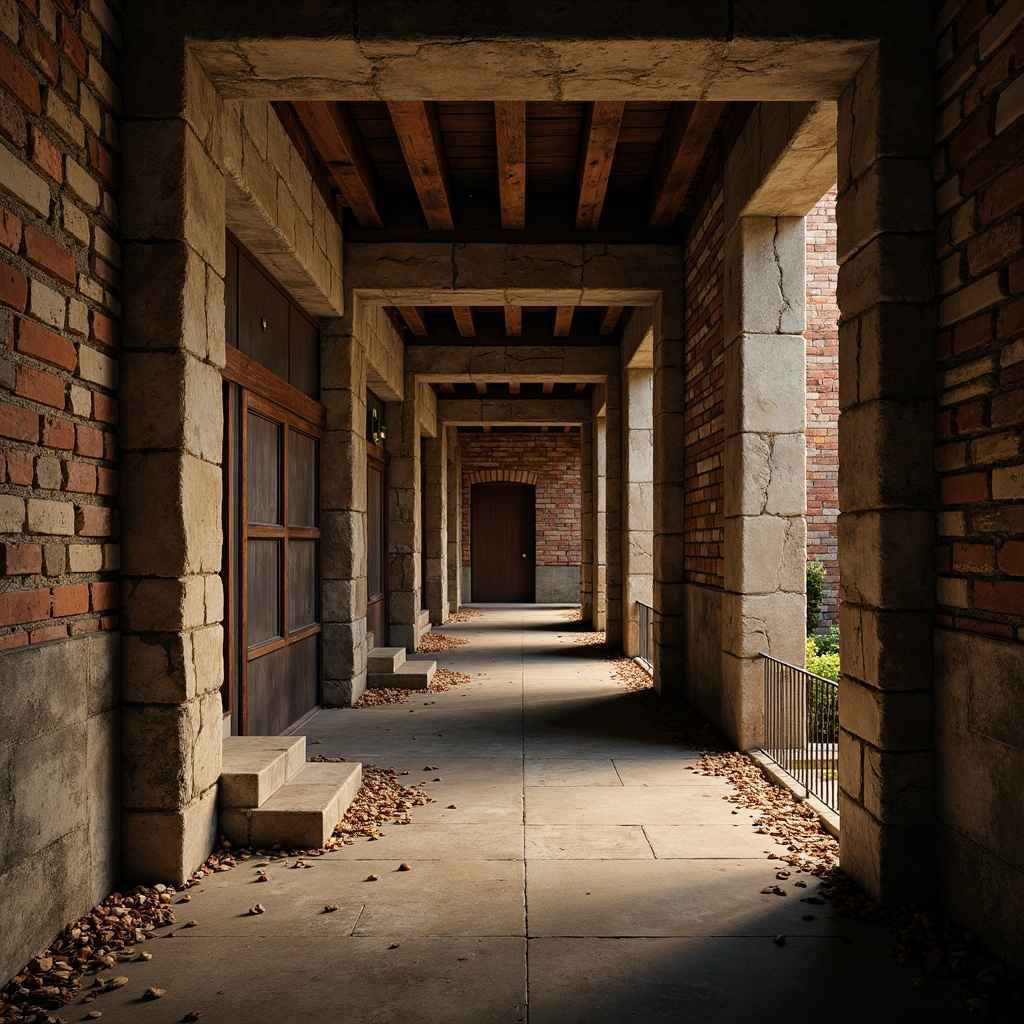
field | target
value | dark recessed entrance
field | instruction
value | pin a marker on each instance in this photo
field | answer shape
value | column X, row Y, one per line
column 503, row 542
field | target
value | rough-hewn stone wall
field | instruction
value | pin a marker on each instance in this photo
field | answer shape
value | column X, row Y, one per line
column 979, row 456
column 702, row 401
column 59, row 275
column 822, row 336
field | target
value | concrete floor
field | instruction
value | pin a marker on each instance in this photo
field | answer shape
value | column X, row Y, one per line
column 585, row 876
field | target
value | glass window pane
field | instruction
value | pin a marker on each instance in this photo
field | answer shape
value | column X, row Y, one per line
column 302, row 471
column 302, row 584
column 263, row 470
column 263, row 593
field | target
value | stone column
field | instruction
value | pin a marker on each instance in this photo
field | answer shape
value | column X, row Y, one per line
column 886, row 480
column 404, row 512
column 764, row 462
column 343, row 489
column 435, row 586
column 613, row 513
column 601, row 523
column 453, row 472
column 638, row 514
column 171, row 436
column 587, row 495
column 669, row 588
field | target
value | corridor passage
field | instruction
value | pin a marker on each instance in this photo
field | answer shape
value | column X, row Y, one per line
column 586, row 874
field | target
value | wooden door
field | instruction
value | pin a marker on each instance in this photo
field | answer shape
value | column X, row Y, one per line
column 503, row 551
column 376, row 545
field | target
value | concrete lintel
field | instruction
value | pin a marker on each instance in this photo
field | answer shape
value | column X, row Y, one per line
column 502, row 364
column 512, row 412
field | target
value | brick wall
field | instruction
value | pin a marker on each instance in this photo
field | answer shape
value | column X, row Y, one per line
column 822, row 336
column 553, row 460
column 704, row 423
column 58, row 319
column 979, row 455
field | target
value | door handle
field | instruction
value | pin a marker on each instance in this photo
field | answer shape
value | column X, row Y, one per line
column 524, row 554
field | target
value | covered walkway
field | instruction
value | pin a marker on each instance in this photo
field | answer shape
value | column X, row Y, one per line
column 586, row 873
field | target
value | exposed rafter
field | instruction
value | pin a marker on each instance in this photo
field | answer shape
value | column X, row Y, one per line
column 514, row 321
column 544, row 428
column 580, row 388
column 415, row 320
column 419, row 135
column 446, row 388
column 547, row 387
column 513, row 387
column 609, row 319
column 510, row 129
column 487, row 428
column 336, row 138
column 465, row 321
column 481, row 387
column 601, row 124
column 687, row 134
column 563, row 321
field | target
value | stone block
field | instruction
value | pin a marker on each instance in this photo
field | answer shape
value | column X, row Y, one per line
column 343, row 693
column 743, row 701
column 890, row 650
column 45, row 689
column 765, row 554
column 765, row 384
column 899, row 788
column 103, row 784
column 168, row 846
column 158, row 669
column 344, row 600
column 765, row 474
column 164, row 605
column 344, row 649
column 889, row 268
column 851, row 766
column 56, row 518
column 104, row 672
column 895, row 721
column 764, row 624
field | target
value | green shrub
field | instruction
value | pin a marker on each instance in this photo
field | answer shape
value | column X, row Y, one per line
column 815, row 592
column 823, row 710
column 827, row 643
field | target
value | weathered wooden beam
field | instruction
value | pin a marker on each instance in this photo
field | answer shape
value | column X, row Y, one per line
column 601, row 123
column 446, row 388
column 510, row 129
column 513, row 387
column 415, row 320
column 563, row 321
column 580, row 388
column 687, row 135
column 336, row 137
column 609, row 319
column 513, row 321
column 419, row 135
column 481, row 388
column 464, row 321
column 547, row 387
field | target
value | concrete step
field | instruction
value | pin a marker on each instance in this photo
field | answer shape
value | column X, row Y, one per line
column 413, row 675
column 385, row 659
column 253, row 768
column 422, row 624
column 302, row 813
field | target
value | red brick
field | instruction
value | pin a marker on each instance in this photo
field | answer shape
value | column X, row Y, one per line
column 39, row 50
column 18, row 424
column 46, row 156
column 105, row 272
column 48, row 255
column 1003, row 152
column 103, row 163
column 104, row 331
column 72, row 46
column 41, row 343
column 973, row 16
column 994, row 246
column 1017, row 276
column 21, row 559
column 88, row 442
column 82, row 626
column 1008, row 409
column 31, row 5
column 1003, row 195
column 1011, row 558
column 1005, row 596
column 1010, row 318
column 972, row 416
column 44, row 633
column 964, row 488
column 104, row 408
column 95, row 521
column 973, row 558
column 10, row 230
column 20, row 468
column 105, row 596
column 18, row 81
column 13, row 126
column 110, row 446
column 80, row 477
column 58, row 433
column 983, row 626
column 971, row 138
column 109, row 622
column 68, row 7
column 972, row 333
column 70, row 600
column 20, row 606
column 39, row 386
column 11, row 640
column 13, row 288
column 107, row 481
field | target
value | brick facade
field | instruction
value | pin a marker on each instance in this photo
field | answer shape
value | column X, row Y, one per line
column 822, row 336
column 980, row 343
column 703, row 399
column 552, row 463
column 59, row 269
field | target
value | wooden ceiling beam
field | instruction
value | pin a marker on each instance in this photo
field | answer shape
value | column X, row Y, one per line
column 543, row 429
column 513, row 321
column 580, row 388
column 336, row 138
column 513, row 387
column 419, row 135
column 510, row 129
column 547, row 387
column 464, row 321
column 687, row 135
column 481, row 388
column 446, row 388
column 601, row 124
column 487, row 428
column 563, row 321
column 609, row 319
column 415, row 320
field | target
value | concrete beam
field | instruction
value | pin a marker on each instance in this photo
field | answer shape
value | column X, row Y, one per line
column 499, row 412
column 503, row 364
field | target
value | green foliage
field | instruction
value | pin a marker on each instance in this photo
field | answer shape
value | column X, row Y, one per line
column 826, row 665
column 815, row 592
column 822, row 699
column 827, row 643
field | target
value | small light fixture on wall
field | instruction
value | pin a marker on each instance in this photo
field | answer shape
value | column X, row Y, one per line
column 378, row 430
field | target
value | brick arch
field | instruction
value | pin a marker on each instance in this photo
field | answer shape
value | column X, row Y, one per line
column 508, row 476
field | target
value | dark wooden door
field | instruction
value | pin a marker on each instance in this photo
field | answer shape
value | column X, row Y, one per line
column 503, row 542
column 376, row 546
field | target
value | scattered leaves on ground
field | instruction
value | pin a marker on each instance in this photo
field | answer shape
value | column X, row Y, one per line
column 573, row 615
column 465, row 615
column 436, row 643
column 595, row 638
column 633, row 676
column 446, row 679
column 381, row 800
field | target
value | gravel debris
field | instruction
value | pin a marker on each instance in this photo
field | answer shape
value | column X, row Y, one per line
column 436, row 643
column 573, row 615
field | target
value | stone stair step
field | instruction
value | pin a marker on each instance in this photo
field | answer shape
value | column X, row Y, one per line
column 302, row 813
column 413, row 675
column 253, row 768
column 385, row 659
column 422, row 624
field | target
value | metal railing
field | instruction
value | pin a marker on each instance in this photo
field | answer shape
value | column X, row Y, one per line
column 801, row 728
column 645, row 621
